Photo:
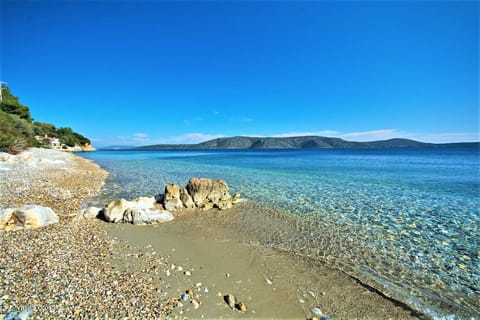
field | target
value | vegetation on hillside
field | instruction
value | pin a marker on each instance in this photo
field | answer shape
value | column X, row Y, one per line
column 303, row 142
column 18, row 130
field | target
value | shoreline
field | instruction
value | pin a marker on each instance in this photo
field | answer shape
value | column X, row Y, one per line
column 150, row 269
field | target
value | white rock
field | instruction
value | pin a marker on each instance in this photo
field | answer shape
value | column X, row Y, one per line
column 90, row 213
column 26, row 217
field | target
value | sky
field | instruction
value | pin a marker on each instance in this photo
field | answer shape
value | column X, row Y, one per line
column 147, row 72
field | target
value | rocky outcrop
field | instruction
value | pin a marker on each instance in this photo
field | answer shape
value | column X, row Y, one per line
column 186, row 199
column 142, row 210
column 208, row 193
column 171, row 199
column 26, row 217
column 198, row 193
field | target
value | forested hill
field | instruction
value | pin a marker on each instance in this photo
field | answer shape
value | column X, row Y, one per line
column 18, row 130
column 303, row 142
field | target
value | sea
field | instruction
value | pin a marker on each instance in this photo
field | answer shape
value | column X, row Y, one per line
column 405, row 221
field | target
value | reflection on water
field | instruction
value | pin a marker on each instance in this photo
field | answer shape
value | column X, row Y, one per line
column 405, row 221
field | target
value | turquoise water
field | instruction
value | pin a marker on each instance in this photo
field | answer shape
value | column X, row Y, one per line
column 405, row 221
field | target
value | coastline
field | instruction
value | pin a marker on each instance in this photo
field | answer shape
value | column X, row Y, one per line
column 123, row 270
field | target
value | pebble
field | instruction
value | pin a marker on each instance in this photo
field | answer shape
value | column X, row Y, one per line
column 316, row 311
column 230, row 300
column 195, row 304
column 241, row 306
column 187, row 273
column 185, row 297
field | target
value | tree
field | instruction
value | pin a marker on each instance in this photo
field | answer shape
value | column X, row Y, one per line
column 11, row 105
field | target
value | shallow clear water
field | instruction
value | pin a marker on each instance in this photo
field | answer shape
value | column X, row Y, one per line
column 406, row 221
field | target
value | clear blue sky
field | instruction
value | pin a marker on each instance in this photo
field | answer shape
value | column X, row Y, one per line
column 128, row 72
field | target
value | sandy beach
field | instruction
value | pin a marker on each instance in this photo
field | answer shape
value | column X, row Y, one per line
column 84, row 269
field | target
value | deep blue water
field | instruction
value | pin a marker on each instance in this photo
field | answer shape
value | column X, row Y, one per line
column 405, row 219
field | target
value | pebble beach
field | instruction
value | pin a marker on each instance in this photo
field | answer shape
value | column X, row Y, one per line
column 64, row 271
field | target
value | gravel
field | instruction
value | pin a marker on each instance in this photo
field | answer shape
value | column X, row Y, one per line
column 67, row 270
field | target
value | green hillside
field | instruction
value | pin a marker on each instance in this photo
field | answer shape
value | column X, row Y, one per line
column 18, row 130
column 304, row 142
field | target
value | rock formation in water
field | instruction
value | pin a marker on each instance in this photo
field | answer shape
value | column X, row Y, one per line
column 199, row 193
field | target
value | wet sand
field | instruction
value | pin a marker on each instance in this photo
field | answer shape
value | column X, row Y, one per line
column 273, row 284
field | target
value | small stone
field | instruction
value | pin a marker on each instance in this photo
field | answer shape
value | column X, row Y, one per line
column 195, row 304
column 269, row 281
column 198, row 284
column 227, row 275
column 187, row 273
column 189, row 292
column 241, row 306
column 185, row 297
column 230, row 300
column 316, row 311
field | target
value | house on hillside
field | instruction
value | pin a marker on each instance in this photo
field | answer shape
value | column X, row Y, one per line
column 52, row 142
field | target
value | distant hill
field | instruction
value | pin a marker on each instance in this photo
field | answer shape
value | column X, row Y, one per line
column 118, row 147
column 304, row 142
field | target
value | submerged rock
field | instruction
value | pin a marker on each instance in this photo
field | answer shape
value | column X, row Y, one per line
column 26, row 217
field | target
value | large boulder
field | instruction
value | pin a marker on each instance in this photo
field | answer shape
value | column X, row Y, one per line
column 142, row 210
column 207, row 193
column 171, row 200
column 26, row 217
